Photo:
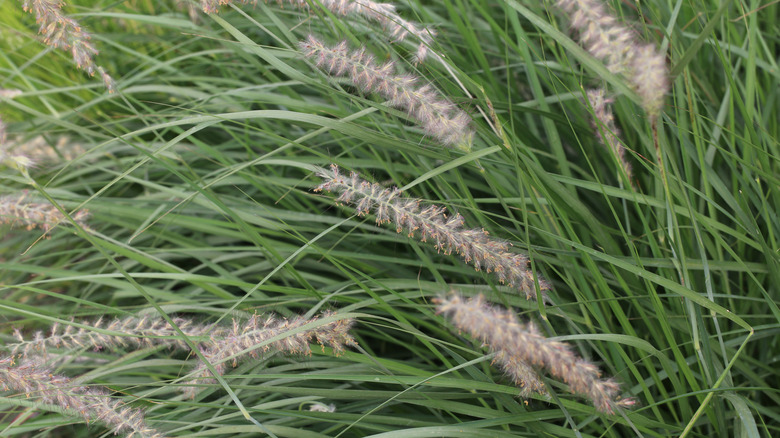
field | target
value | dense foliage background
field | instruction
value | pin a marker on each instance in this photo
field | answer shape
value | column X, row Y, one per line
column 198, row 175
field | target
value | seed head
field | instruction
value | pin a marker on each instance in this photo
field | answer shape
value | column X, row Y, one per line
column 622, row 51
column 385, row 14
column 241, row 341
column 19, row 210
column 34, row 380
column 438, row 117
column 520, row 347
column 430, row 222
column 65, row 33
column 606, row 130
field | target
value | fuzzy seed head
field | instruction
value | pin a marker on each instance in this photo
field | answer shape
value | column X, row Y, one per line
column 520, row 349
column 605, row 128
column 622, row 51
column 438, row 117
column 64, row 33
column 10, row 93
column 19, row 210
column 395, row 26
column 433, row 224
column 241, row 341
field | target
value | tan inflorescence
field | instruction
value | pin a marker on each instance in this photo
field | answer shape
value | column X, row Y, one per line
column 606, row 130
column 432, row 222
column 518, row 346
column 9, row 157
column 20, row 210
column 244, row 337
column 135, row 332
column 39, row 150
column 65, row 33
column 602, row 34
column 10, row 93
column 217, row 343
column 32, row 379
column 439, row 118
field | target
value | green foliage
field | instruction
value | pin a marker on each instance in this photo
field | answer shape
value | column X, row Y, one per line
column 198, row 174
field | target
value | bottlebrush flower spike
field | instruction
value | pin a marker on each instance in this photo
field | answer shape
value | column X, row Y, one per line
column 64, row 33
column 604, row 125
column 244, row 336
column 438, row 117
column 11, row 158
column 519, row 345
column 216, row 342
column 33, row 380
column 433, row 222
column 620, row 48
column 383, row 13
column 131, row 331
column 17, row 210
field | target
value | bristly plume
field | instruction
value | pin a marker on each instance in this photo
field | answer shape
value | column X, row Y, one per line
column 383, row 13
column 67, row 34
column 519, row 345
column 18, row 210
column 244, row 338
column 432, row 222
column 620, row 48
column 606, row 130
column 217, row 342
column 131, row 331
column 30, row 379
column 438, row 117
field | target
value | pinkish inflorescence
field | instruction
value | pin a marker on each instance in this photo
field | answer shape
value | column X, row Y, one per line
column 606, row 130
column 136, row 332
column 217, row 343
column 65, row 33
column 602, row 34
column 32, row 379
column 518, row 347
column 432, row 222
column 244, row 337
column 19, row 210
column 439, row 118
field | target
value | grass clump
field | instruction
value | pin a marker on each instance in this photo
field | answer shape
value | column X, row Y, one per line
column 206, row 175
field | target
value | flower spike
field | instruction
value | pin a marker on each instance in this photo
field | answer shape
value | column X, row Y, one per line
column 520, row 347
column 432, row 223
